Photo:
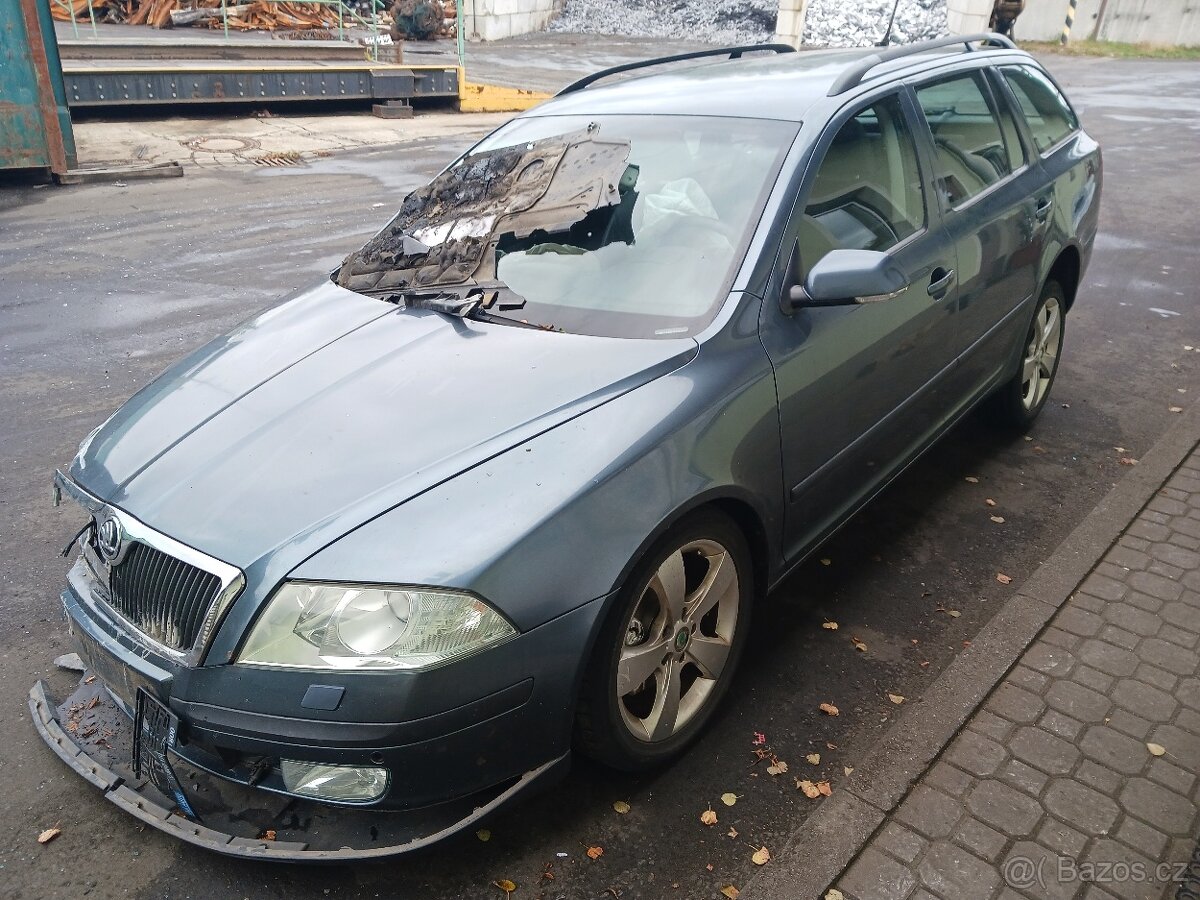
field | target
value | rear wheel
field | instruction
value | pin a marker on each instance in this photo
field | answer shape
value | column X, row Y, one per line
column 665, row 656
column 1020, row 400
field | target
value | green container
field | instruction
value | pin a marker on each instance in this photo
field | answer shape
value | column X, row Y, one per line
column 35, row 126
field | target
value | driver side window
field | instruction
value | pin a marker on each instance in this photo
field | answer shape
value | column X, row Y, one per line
column 867, row 193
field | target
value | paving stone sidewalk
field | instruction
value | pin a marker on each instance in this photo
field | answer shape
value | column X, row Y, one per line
column 1052, row 789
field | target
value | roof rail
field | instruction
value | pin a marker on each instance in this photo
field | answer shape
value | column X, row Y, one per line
column 853, row 77
column 728, row 52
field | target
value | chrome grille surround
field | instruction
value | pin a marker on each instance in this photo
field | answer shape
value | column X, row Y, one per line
column 169, row 596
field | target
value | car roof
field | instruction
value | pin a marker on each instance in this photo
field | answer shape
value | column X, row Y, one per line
column 781, row 86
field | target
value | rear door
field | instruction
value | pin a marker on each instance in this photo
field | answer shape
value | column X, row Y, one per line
column 988, row 194
column 858, row 386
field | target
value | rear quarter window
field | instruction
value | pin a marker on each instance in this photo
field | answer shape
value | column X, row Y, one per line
column 1044, row 107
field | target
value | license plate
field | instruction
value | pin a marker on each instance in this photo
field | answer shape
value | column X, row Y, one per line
column 155, row 731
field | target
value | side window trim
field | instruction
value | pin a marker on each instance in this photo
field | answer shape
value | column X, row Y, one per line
column 1023, row 123
column 993, row 99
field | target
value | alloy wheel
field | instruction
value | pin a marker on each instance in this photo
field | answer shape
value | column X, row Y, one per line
column 677, row 640
column 1041, row 353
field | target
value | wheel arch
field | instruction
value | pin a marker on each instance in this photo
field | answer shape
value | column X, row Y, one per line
column 1067, row 269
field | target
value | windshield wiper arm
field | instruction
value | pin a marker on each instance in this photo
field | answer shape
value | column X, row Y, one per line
column 469, row 305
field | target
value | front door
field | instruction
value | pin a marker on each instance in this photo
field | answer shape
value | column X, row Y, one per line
column 858, row 386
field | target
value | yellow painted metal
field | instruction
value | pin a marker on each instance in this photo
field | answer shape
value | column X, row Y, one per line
column 473, row 97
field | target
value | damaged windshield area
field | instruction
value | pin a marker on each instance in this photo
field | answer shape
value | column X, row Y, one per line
column 626, row 226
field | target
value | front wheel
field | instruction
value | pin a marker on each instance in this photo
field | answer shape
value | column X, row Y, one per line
column 665, row 656
column 1020, row 400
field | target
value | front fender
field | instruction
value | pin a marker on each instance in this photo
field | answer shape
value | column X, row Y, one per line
column 556, row 521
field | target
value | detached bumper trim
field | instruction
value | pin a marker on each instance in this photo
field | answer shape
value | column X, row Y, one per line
column 154, row 813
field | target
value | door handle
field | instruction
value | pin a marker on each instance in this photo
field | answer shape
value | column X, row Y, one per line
column 1043, row 208
column 940, row 282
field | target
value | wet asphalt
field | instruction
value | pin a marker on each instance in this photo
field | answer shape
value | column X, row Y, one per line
column 104, row 285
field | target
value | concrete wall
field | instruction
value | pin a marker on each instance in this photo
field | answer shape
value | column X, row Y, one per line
column 490, row 20
column 789, row 27
column 1043, row 19
column 968, row 16
column 1134, row 21
column 1152, row 21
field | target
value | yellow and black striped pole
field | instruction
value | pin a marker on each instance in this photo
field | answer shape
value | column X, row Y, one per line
column 1066, row 32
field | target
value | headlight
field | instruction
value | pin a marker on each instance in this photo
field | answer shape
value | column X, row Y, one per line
column 345, row 626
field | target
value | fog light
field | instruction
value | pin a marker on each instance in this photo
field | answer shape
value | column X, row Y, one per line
column 343, row 784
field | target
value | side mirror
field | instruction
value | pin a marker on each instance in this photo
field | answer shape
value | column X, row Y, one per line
column 846, row 277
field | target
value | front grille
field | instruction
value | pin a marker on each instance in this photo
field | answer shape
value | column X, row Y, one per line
column 166, row 598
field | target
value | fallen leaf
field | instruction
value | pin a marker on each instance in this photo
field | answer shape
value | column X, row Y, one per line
column 847, row 769
column 999, row 520
column 827, row 561
column 505, row 885
column 828, row 708
column 621, row 807
column 777, row 768
column 831, row 626
column 732, row 832
column 1127, row 461
column 1175, row 409
column 729, row 799
column 1003, row 579
column 811, row 791
column 48, row 835
column 709, row 817
column 896, row 698
column 268, row 835
column 761, row 856
column 814, row 758
column 1156, row 749
column 859, row 645
column 595, row 852
column 989, row 502
column 484, row 835
column 730, row 891
column 834, row 894
column 972, row 479
column 824, row 788
column 953, row 613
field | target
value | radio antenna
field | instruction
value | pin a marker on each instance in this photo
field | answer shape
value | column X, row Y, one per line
column 887, row 35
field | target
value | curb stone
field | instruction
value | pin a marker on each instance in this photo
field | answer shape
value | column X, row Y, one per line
column 817, row 853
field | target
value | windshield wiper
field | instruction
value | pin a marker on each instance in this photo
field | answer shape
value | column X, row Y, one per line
column 475, row 304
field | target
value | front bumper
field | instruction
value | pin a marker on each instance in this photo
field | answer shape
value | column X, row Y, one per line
column 92, row 735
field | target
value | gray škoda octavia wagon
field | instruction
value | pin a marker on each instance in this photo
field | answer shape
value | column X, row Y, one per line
column 510, row 483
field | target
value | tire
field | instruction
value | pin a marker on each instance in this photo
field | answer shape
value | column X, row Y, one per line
column 695, row 580
column 1020, row 400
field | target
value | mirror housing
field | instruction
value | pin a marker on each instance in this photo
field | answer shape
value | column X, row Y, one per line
column 848, row 277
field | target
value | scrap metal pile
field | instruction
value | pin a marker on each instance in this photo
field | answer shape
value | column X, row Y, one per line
column 713, row 21
column 244, row 16
column 408, row 19
column 838, row 23
column 835, row 23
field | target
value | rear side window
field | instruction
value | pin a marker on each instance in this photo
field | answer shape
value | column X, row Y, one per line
column 1049, row 115
column 972, row 153
column 867, row 192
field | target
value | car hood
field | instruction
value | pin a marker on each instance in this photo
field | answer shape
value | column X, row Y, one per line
column 333, row 408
